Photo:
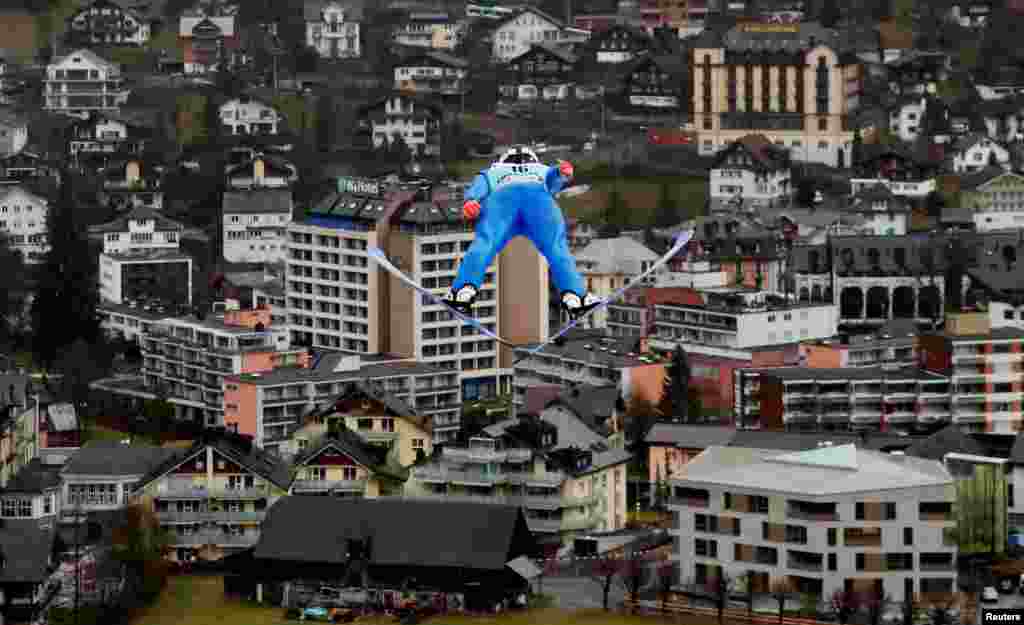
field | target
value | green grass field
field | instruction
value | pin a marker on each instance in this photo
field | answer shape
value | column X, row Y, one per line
column 640, row 196
column 190, row 600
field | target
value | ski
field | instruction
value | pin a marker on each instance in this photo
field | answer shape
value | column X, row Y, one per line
column 377, row 255
column 679, row 244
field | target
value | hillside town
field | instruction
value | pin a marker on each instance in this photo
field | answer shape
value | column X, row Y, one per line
column 611, row 312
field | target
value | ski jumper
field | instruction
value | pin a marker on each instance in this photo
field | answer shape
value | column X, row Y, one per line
column 519, row 200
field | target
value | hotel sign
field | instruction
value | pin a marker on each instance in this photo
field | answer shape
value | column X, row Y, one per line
column 359, row 186
column 771, row 28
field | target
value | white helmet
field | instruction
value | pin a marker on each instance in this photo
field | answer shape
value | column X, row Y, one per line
column 518, row 155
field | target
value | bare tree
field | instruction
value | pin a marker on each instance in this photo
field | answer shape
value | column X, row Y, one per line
column 782, row 590
column 666, row 575
column 604, row 573
column 844, row 604
column 720, row 588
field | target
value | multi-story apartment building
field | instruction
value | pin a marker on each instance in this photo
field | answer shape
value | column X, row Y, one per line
column 342, row 464
column 246, row 116
column 433, row 72
column 750, row 173
column 82, row 82
column 188, row 359
column 333, row 28
column 592, row 357
column 417, row 122
column 23, row 222
column 837, row 518
column 106, row 22
column 255, row 224
column 995, row 197
column 894, row 345
column 141, row 259
column 842, row 399
column 439, row 31
column 737, row 328
column 564, row 495
column 13, row 132
column 338, row 300
column 208, row 42
column 129, row 321
column 101, row 475
column 271, row 406
column 607, row 264
column 516, row 33
column 984, row 365
column 132, row 184
column 791, row 83
column 213, row 497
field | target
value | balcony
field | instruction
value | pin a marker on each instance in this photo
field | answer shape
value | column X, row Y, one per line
column 936, row 562
column 862, row 537
column 483, row 455
column 213, row 537
column 937, row 511
column 804, row 561
column 444, row 474
column 175, row 516
column 324, row 486
column 810, row 511
column 545, row 526
column 186, row 489
column 690, row 497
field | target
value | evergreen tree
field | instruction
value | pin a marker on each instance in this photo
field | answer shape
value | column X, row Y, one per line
column 615, row 211
column 12, row 291
column 674, row 406
column 326, row 123
column 211, row 121
column 666, row 213
column 64, row 308
column 830, row 14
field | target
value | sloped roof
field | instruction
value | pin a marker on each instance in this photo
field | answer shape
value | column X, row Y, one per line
column 977, row 179
column 529, row 9
column 453, row 534
column 375, row 392
column 949, row 439
column 232, row 446
column 345, row 441
column 622, row 255
column 439, row 56
column 88, row 55
column 817, row 472
column 258, row 201
column 797, row 441
column 312, row 9
column 139, row 213
column 34, row 477
column 26, row 549
column 114, row 459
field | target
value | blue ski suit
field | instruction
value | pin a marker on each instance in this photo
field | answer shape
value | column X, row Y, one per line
column 518, row 199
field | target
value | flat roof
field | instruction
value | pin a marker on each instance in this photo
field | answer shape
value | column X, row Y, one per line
column 292, row 375
column 800, row 374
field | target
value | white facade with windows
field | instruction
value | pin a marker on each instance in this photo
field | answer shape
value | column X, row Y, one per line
column 104, row 22
column 140, row 237
column 255, row 223
column 333, row 30
column 82, row 82
column 243, row 116
column 755, row 189
column 406, row 117
column 531, row 27
column 430, row 30
column 905, row 120
column 23, row 222
column 977, row 153
column 826, row 520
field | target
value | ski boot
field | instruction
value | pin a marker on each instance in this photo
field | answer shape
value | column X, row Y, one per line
column 461, row 300
column 577, row 306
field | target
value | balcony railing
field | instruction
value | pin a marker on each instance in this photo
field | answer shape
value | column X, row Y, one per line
column 689, row 502
column 214, row 538
column 459, row 476
column 183, row 489
column 812, row 516
column 937, row 516
column 863, row 541
column 320, row 486
column 487, row 455
column 937, row 566
column 546, row 526
column 175, row 516
column 803, row 565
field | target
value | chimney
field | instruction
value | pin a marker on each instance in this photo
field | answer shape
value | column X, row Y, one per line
column 132, row 172
column 259, row 171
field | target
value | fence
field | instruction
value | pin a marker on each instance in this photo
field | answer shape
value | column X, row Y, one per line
column 669, row 608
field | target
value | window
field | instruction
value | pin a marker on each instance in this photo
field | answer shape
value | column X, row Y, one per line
column 908, row 536
column 727, row 501
column 365, row 424
column 700, row 522
column 48, row 504
column 823, row 124
column 832, row 533
column 890, row 511
column 705, row 548
column 832, row 564
column 417, row 443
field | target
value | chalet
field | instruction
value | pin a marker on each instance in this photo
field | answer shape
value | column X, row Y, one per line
column 13, row 133
column 208, row 42
column 620, row 44
column 249, row 116
column 82, row 82
column 213, row 496
column 33, row 493
column 913, row 72
column 749, row 174
column 539, row 71
column 886, row 213
column 107, row 133
column 443, row 557
column 343, row 464
column 516, row 33
column 433, row 72
column 417, row 122
column 437, row 30
column 333, row 28
column 261, row 170
column 23, row 221
column 136, row 183
column 28, row 556
column 975, row 152
column 106, row 22
column 658, row 82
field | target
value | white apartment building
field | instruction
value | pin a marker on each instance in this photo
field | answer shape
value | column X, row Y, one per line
column 430, row 30
column 255, row 225
column 141, row 259
column 530, row 26
column 104, row 22
column 733, row 321
column 433, row 72
column 23, row 218
column 405, row 116
column 246, row 116
column 333, row 29
column 82, row 82
column 836, row 518
column 608, row 264
column 995, row 199
column 750, row 173
column 909, row 188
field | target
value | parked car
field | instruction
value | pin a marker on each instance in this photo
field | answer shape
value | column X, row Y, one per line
column 990, row 595
column 1007, row 585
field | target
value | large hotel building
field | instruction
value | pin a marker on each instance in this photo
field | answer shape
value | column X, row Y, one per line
column 789, row 82
column 337, row 299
